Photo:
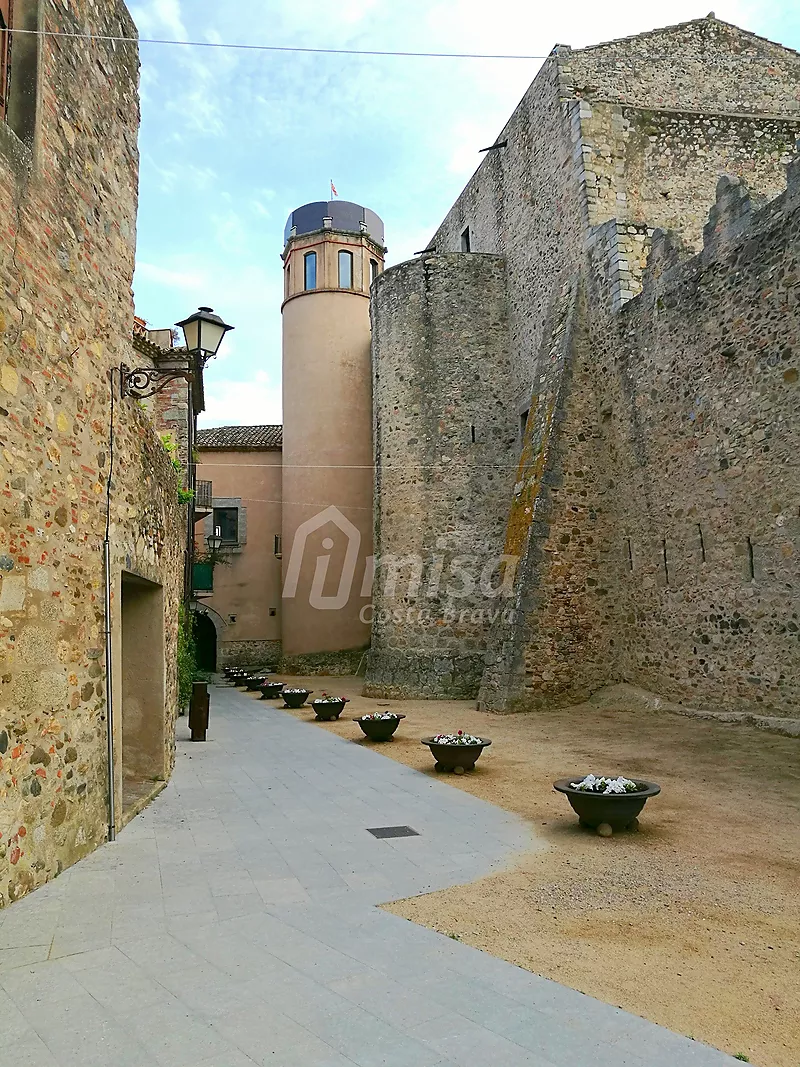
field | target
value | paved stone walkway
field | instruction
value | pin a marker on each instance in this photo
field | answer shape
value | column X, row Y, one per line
column 233, row 923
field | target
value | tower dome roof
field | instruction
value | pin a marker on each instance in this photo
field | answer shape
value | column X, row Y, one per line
column 346, row 216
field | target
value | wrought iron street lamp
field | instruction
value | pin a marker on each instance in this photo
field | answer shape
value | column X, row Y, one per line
column 214, row 541
column 204, row 332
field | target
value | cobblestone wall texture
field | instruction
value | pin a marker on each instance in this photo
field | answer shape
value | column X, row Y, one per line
column 698, row 377
column 610, row 146
column 66, row 264
column 448, row 443
column 249, row 653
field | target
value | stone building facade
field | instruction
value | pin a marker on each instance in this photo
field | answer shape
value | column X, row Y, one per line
column 69, row 179
column 649, row 507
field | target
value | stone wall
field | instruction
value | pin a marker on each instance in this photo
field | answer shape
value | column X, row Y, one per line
column 448, row 442
column 698, row 376
column 705, row 64
column 622, row 350
column 525, row 204
column 66, row 263
column 249, row 653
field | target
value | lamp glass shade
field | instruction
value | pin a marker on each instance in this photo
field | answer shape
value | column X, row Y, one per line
column 210, row 336
column 203, row 331
column 214, row 543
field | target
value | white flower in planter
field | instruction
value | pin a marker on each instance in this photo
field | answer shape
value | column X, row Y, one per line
column 457, row 739
column 606, row 786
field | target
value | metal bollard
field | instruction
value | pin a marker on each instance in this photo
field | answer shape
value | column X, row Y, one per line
column 198, row 711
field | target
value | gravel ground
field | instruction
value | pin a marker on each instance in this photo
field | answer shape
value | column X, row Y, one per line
column 693, row 922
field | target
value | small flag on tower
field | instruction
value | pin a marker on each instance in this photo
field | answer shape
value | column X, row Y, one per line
column 333, row 189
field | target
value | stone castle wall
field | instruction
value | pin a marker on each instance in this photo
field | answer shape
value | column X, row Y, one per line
column 609, row 145
column 699, row 378
column 66, row 263
column 448, row 442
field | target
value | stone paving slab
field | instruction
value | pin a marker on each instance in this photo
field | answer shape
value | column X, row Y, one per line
column 233, row 924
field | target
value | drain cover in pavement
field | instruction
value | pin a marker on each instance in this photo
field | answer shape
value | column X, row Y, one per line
column 393, row 831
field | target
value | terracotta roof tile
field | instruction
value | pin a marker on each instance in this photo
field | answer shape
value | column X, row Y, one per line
column 241, row 438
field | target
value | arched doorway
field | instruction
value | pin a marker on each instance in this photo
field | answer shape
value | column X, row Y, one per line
column 205, row 640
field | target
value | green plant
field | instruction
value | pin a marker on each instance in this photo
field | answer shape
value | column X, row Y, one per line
column 187, row 656
column 185, row 496
column 741, row 1056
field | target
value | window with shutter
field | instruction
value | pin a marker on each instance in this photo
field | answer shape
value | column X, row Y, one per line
column 6, row 16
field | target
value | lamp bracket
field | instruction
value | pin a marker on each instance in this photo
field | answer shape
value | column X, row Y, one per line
column 144, row 382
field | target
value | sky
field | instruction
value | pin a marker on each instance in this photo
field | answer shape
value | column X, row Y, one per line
column 232, row 141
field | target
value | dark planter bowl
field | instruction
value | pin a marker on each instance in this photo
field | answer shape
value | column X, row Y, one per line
column 380, row 729
column 255, row 681
column 618, row 810
column 271, row 690
column 458, row 758
column 296, row 700
column 328, row 710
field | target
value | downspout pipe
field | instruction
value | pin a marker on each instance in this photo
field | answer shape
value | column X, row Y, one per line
column 112, row 817
column 112, row 800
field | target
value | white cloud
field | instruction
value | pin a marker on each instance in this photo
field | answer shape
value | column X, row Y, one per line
column 241, row 403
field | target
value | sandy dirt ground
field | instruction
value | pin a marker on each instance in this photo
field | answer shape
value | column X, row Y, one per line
column 693, row 922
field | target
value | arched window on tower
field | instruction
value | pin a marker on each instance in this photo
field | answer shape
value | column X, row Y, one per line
column 345, row 270
column 310, row 270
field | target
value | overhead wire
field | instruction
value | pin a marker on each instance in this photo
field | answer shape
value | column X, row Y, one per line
column 387, row 52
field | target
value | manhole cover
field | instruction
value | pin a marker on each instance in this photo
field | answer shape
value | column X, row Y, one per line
column 393, row 831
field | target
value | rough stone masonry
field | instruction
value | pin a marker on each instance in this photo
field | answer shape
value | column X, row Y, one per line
column 650, row 365
column 68, row 180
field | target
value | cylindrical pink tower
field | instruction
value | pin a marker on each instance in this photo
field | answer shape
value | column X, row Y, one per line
column 333, row 252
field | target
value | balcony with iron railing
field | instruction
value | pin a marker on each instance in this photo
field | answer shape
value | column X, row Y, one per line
column 203, row 499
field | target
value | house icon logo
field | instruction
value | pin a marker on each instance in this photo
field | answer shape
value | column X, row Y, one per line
column 316, row 598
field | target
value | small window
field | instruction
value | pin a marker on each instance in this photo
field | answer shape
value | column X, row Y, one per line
column 466, row 245
column 523, row 422
column 6, row 14
column 373, row 270
column 278, row 546
column 310, row 270
column 227, row 521
column 345, row 270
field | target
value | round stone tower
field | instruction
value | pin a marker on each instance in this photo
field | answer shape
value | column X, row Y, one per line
column 333, row 252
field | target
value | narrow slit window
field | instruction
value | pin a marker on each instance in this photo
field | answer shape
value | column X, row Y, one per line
column 466, row 244
column 630, row 553
column 702, row 543
column 278, row 545
column 310, row 270
column 665, row 561
column 345, row 270
column 373, row 270
column 523, row 422
column 472, row 433
column 751, row 563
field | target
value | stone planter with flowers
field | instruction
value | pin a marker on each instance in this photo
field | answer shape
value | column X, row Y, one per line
column 380, row 725
column 456, row 752
column 328, row 708
column 607, row 804
column 295, row 698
